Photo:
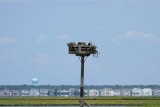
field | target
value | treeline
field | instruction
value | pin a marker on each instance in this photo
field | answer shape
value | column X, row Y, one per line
column 19, row 87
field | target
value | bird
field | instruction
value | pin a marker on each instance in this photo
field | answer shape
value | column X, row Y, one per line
column 90, row 43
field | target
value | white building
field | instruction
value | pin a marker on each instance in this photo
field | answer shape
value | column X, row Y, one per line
column 64, row 93
column 147, row 92
column 6, row 92
column 107, row 92
column 126, row 92
column 24, row 93
column 15, row 93
column 34, row 92
column 72, row 91
column 117, row 92
column 136, row 92
column 86, row 91
column 93, row 92
column 43, row 92
column 156, row 92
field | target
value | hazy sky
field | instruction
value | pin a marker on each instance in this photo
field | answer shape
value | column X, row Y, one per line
column 34, row 34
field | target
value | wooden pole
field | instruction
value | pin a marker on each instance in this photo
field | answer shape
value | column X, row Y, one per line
column 82, row 80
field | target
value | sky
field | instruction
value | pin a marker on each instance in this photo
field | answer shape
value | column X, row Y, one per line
column 34, row 36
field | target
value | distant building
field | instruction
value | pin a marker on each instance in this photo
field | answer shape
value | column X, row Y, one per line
column 107, row 92
column 147, row 92
column 51, row 92
column 1, row 93
column 72, row 92
column 24, row 93
column 64, row 93
column 136, row 92
column 117, row 92
column 43, row 92
column 103, row 92
column 77, row 92
column 34, row 92
column 93, row 92
column 125, row 92
column 6, row 92
column 15, row 93
column 86, row 92
column 156, row 92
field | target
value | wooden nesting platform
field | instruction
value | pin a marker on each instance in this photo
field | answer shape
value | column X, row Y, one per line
column 80, row 50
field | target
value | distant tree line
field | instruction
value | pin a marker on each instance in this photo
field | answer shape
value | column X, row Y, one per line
column 20, row 87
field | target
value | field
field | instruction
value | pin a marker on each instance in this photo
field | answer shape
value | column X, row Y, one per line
column 42, row 101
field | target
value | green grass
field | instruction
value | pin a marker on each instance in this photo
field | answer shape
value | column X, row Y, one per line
column 42, row 101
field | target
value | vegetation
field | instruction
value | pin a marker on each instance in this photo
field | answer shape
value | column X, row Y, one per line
column 71, row 44
column 42, row 101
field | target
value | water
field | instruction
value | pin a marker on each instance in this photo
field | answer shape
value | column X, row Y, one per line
column 64, row 106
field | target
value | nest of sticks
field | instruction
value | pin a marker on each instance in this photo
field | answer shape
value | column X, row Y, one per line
column 88, row 48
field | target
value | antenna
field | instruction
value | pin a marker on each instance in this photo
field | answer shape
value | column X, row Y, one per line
column 82, row 50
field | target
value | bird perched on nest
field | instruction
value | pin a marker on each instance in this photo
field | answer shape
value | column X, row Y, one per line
column 90, row 43
column 82, row 43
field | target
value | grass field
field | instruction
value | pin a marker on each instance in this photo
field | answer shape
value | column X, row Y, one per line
column 42, row 101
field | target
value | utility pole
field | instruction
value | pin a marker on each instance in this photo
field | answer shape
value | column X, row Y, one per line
column 82, row 79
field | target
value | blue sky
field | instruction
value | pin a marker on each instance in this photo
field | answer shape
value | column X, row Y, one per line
column 34, row 34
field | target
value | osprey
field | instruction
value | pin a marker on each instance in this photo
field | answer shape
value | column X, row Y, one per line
column 90, row 43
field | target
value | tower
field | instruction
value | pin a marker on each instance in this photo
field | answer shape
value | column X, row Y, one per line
column 35, row 81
